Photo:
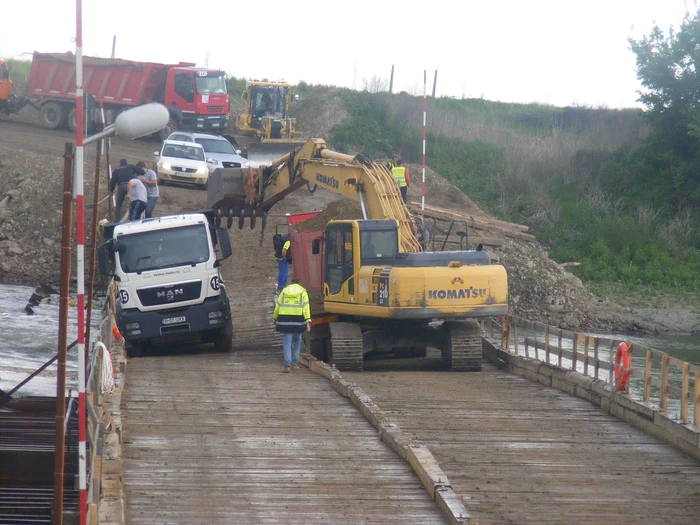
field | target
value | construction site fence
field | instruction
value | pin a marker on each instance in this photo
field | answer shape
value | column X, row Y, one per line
column 656, row 378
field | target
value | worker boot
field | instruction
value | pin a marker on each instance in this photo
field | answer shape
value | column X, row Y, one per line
column 287, row 370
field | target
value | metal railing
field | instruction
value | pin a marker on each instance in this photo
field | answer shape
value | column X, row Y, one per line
column 656, row 377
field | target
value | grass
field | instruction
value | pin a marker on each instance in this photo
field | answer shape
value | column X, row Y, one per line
column 554, row 169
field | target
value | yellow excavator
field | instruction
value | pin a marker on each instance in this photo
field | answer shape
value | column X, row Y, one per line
column 265, row 118
column 381, row 293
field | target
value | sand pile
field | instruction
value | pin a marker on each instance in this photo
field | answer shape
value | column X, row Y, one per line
column 337, row 210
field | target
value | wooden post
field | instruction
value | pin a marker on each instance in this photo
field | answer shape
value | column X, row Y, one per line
column 696, row 408
column 546, row 342
column 574, row 356
column 527, row 332
column 611, row 379
column 509, row 322
column 514, row 325
column 663, row 395
column 561, row 334
column 596, row 356
column 684, row 392
column 647, row 376
column 585, row 355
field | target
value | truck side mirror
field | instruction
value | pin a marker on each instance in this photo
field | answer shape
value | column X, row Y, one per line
column 224, row 243
column 316, row 246
column 104, row 259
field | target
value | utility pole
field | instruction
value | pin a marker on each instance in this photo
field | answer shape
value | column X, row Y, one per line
column 434, row 83
column 206, row 60
column 354, row 78
column 114, row 45
column 391, row 80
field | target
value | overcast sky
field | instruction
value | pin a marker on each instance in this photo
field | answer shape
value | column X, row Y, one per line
column 560, row 52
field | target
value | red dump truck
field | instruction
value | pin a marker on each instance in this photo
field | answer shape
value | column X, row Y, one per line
column 196, row 98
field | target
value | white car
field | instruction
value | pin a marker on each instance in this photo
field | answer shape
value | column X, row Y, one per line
column 219, row 151
column 181, row 162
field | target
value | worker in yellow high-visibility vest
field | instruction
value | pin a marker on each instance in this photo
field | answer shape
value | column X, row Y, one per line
column 292, row 317
column 401, row 177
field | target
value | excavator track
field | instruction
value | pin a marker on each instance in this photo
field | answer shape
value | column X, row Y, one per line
column 463, row 351
column 346, row 351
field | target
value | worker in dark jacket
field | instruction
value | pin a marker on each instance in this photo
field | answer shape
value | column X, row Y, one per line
column 120, row 180
column 392, row 163
column 292, row 316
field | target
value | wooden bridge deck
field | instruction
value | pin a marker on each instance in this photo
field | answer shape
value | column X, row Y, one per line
column 518, row 452
column 230, row 439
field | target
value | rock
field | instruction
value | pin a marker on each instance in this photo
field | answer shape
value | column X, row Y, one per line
column 3, row 203
column 14, row 194
column 15, row 250
column 48, row 242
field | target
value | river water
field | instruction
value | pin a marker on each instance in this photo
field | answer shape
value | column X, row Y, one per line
column 28, row 341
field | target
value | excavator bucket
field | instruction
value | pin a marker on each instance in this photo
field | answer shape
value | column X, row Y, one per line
column 263, row 153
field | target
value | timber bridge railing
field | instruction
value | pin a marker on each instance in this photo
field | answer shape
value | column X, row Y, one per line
column 660, row 399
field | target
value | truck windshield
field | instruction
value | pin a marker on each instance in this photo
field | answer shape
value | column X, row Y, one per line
column 140, row 252
column 378, row 244
column 213, row 83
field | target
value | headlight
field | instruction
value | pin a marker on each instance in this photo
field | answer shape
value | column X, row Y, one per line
column 215, row 315
column 245, row 165
column 202, row 170
column 132, row 326
column 165, row 165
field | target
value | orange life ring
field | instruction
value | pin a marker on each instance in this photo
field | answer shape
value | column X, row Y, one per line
column 115, row 332
column 623, row 360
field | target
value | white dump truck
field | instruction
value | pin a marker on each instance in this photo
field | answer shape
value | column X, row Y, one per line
column 170, row 286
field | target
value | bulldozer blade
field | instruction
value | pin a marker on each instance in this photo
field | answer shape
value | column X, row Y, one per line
column 264, row 153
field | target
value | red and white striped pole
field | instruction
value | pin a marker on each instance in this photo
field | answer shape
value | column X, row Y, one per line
column 425, row 111
column 80, row 258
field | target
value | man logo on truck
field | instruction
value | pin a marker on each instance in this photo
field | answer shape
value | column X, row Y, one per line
column 170, row 294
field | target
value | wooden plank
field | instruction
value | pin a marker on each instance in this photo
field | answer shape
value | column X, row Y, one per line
column 684, row 392
column 212, row 438
column 434, row 211
column 647, row 376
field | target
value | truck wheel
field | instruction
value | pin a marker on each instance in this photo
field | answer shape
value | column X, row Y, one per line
column 168, row 129
column 53, row 115
column 224, row 339
column 133, row 349
column 89, row 127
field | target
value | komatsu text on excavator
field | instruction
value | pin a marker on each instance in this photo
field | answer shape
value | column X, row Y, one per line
column 380, row 292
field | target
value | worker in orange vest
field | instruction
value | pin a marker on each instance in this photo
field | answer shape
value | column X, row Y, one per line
column 623, row 366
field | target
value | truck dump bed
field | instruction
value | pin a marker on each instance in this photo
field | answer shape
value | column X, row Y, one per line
column 308, row 268
column 110, row 80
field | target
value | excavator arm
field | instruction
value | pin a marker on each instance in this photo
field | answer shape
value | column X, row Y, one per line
column 239, row 193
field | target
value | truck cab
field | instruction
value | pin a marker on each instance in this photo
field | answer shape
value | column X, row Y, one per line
column 170, row 288
column 198, row 96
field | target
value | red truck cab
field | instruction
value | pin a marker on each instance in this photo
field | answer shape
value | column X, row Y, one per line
column 199, row 96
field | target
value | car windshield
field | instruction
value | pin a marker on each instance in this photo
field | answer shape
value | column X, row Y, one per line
column 378, row 244
column 140, row 252
column 213, row 83
column 216, row 146
column 183, row 152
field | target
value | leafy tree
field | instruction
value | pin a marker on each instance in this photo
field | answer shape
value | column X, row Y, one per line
column 668, row 66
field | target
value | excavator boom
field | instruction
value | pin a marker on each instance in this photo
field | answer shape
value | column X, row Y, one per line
column 241, row 193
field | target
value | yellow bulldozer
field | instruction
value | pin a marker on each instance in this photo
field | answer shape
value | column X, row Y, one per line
column 379, row 291
column 265, row 120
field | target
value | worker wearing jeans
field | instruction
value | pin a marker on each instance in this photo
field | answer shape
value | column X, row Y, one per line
column 292, row 316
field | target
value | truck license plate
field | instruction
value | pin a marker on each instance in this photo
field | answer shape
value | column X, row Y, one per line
column 173, row 320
